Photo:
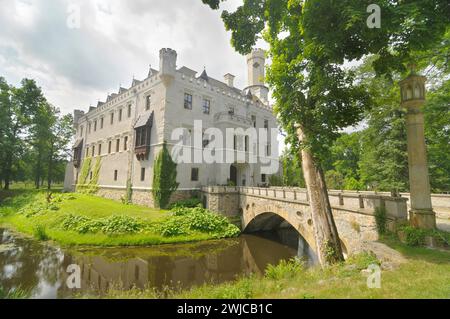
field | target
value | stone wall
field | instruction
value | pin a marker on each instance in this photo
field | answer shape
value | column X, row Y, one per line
column 143, row 197
column 221, row 199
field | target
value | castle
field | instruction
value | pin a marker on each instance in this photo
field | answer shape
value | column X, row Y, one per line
column 127, row 131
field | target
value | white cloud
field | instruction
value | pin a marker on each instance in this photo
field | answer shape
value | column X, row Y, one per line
column 117, row 39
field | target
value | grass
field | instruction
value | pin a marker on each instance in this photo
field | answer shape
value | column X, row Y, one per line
column 426, row 274
column 25, row 211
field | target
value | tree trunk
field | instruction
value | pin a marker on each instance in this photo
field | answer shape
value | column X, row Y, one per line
column 7, row 171
column 50, row 168
column 328, row 244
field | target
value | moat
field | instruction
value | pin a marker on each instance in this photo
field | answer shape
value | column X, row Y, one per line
column 41, row 269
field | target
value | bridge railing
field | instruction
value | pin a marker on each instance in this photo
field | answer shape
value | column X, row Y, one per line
column 396, row 207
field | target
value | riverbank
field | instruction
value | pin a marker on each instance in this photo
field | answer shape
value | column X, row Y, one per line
column 79, row 219
column 425, row 273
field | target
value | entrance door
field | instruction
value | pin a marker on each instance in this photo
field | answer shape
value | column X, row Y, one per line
column 233, row 174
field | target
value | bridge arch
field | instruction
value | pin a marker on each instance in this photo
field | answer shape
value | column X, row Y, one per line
column 272, row 217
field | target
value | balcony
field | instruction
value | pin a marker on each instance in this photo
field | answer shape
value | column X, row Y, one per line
column 230, row 117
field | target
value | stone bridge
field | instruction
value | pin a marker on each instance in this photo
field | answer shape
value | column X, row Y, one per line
column 272, row 208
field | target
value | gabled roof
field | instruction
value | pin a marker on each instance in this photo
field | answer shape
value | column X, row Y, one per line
column 144, row 120
column 204, row 76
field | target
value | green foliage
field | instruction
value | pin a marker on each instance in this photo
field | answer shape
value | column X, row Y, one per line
column 117, row 224
column 190, row 203
column 275, row 180
column 286, row 269
column 186, row 220
column 40, row 232
column 292, row 169
column 14, row 293
column 84, row 174
column 381, row 219
column 414, row 236
column 363, row 260
column 164, row 178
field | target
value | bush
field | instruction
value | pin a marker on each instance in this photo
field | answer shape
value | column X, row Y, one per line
column 363, row 260
column 414, row 236
column 111, row 225
column 286, row 269
column 121, row 224
column 40, row 232
column 185, row 220
column 380, row 219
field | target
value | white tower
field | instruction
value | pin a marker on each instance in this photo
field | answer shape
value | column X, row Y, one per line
column 256, row 62
column 167, row 64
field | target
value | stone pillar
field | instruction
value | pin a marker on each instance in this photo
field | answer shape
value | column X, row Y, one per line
column 412, row 98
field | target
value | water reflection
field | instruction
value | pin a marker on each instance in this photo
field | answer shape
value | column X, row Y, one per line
column 40, row 268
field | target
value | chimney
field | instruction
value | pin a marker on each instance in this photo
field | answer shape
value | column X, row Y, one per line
column 229, row 79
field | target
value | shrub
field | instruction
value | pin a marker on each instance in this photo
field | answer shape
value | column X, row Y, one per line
column 380, row 219
column 40, row 232
column 186, row 219
column 414, row 236
column 286, row 269
column 121, row 224
column 363, row 260
column 164, row 178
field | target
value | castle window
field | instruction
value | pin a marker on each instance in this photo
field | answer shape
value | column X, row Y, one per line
column 112, row 118
column 90, row 175
column 117, row 145
column 109, row 147
column 194, row 174
column 142, row 174
column 235, row 143
column 188, row 101
column 129, row 110
column 206, row 106
column 115, row 175
column 125, row 143
column 143, row 128
column 99, row 149
column 148, row 101
column 89, row 127
column 254, row 120
column 263, row 178
column 77, row 150
column 120, row 115
column 87, row 151
column 81, row 130
column 246, row 143
column 266, row 124
column 93, row 150
column 95, row 125
column 101, row 123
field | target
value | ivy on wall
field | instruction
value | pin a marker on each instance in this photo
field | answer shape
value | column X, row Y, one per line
column 164, row 178
column 83, row 185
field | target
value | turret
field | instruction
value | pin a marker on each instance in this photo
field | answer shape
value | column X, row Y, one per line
column 256, row 73
column 77, row 115
column 167, row 64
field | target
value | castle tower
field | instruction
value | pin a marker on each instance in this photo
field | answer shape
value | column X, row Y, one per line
column 256, row 73
column 167, row 65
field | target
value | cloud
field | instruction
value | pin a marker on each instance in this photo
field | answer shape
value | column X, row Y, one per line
column 117, row 39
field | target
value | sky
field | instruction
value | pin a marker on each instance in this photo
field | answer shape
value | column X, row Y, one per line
column 115, row 40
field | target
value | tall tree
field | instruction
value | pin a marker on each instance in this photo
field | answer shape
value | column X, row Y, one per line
column 61, row 133
column 23, row 104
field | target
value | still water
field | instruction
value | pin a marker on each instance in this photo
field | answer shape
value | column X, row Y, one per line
column 41, row 268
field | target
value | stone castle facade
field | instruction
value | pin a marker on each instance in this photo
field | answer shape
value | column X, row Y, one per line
column 127, row 131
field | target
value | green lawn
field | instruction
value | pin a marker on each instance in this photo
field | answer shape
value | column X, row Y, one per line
column 15, row 204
